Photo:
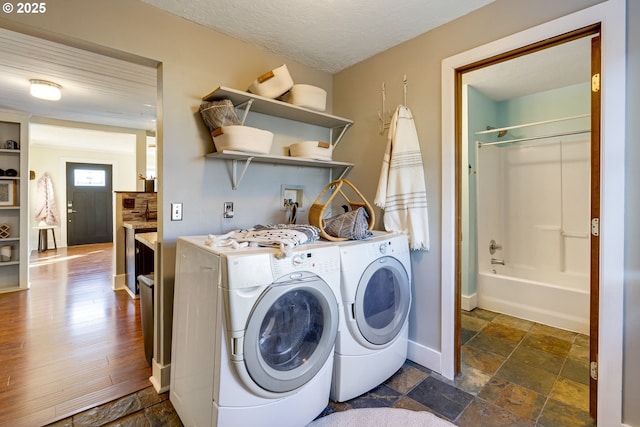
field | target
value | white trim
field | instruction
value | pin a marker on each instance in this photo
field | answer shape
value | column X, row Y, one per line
column 612, row 15
column 424, row 356
column 120, row 282
column 160, row 376
column 469, row 302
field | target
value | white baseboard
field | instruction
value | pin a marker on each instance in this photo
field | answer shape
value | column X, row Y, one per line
column 161, row 376
column 469, row 302
column 119, row 282
column 425, row 356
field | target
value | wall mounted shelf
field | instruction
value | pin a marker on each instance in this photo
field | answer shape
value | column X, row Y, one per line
column 272, row 107
column 246, row 101
column 341, row 168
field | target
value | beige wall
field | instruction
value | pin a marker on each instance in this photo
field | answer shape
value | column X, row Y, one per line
column 357, row 95
column 193, row 61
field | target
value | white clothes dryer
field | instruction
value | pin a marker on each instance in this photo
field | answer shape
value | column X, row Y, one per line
column 371, row 344
column 253, row 335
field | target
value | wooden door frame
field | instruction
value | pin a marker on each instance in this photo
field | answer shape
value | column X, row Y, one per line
column 592, row 31
column 594, row 311
column 611, row 15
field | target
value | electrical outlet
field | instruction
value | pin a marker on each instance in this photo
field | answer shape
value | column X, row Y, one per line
column 291, row 194
column 228, row 210
column 176, row 211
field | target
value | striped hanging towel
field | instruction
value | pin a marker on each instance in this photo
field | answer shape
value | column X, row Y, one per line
column 401, row 188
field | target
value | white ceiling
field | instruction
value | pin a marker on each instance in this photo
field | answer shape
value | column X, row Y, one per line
column 560, row 66
column 328, row 35
column 95, row 88
column 108, row 91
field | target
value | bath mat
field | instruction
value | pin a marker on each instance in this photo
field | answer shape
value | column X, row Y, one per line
column 380, row 417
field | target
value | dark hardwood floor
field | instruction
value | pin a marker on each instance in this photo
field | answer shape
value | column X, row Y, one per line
column 69, row 342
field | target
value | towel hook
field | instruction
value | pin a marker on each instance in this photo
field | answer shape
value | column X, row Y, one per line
column 404, row 82
column 383, row 125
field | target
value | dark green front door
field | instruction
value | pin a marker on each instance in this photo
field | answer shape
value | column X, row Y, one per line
column 89, row 204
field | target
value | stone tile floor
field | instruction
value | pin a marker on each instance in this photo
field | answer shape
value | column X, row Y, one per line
column 144, row 408
column 514, row 373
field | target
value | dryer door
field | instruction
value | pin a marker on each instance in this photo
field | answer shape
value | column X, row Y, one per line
column 382, row 300
column 291, row 332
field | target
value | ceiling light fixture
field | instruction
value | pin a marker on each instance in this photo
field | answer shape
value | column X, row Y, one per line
column 45, row 90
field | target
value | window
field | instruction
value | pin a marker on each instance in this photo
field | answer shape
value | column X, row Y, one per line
column 89, row 178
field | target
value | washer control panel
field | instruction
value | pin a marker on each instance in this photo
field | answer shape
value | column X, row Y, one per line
column 318, row 260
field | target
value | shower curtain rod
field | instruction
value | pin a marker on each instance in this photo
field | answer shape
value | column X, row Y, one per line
column 544, row 122
column 531, row 138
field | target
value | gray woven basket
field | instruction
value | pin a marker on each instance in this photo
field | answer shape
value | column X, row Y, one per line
column 219, row 113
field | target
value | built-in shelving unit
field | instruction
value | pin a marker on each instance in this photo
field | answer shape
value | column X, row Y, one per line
column 13, row 202
column 337, row 127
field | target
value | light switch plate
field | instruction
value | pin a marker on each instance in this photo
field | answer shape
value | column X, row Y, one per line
column 176, row 211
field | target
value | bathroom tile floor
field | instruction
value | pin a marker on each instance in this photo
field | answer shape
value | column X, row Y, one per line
column 514, row 373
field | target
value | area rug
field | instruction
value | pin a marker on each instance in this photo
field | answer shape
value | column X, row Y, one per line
column 380, row 417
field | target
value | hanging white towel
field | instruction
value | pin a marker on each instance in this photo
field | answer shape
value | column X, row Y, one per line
column 401, row 188
column 46, row 210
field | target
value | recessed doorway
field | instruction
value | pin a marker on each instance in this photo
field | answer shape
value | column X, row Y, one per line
column 526, row 199
column 610, row 15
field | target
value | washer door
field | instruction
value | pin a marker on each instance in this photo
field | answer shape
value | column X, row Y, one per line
column 382, row 301
column 291, row 332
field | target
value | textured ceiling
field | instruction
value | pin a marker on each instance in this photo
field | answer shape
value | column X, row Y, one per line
column 328, row 35
column 102, row 90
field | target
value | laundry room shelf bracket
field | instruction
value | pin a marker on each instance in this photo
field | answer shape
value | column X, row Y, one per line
column 234, row 170
column 342, row 132
column 246, row 106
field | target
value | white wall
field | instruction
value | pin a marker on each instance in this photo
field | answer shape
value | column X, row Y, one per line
column 53, row 161
column 53, row 143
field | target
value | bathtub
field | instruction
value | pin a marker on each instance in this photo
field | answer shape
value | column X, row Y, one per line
column 516, row 293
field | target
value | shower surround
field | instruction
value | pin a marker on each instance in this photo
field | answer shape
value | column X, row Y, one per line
column 533, row 202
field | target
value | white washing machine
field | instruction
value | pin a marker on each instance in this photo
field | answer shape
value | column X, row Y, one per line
column 371, row 344
column 253, row 335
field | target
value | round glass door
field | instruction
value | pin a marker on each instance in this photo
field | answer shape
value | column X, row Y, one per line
column 382, row 300
column 291, row 333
